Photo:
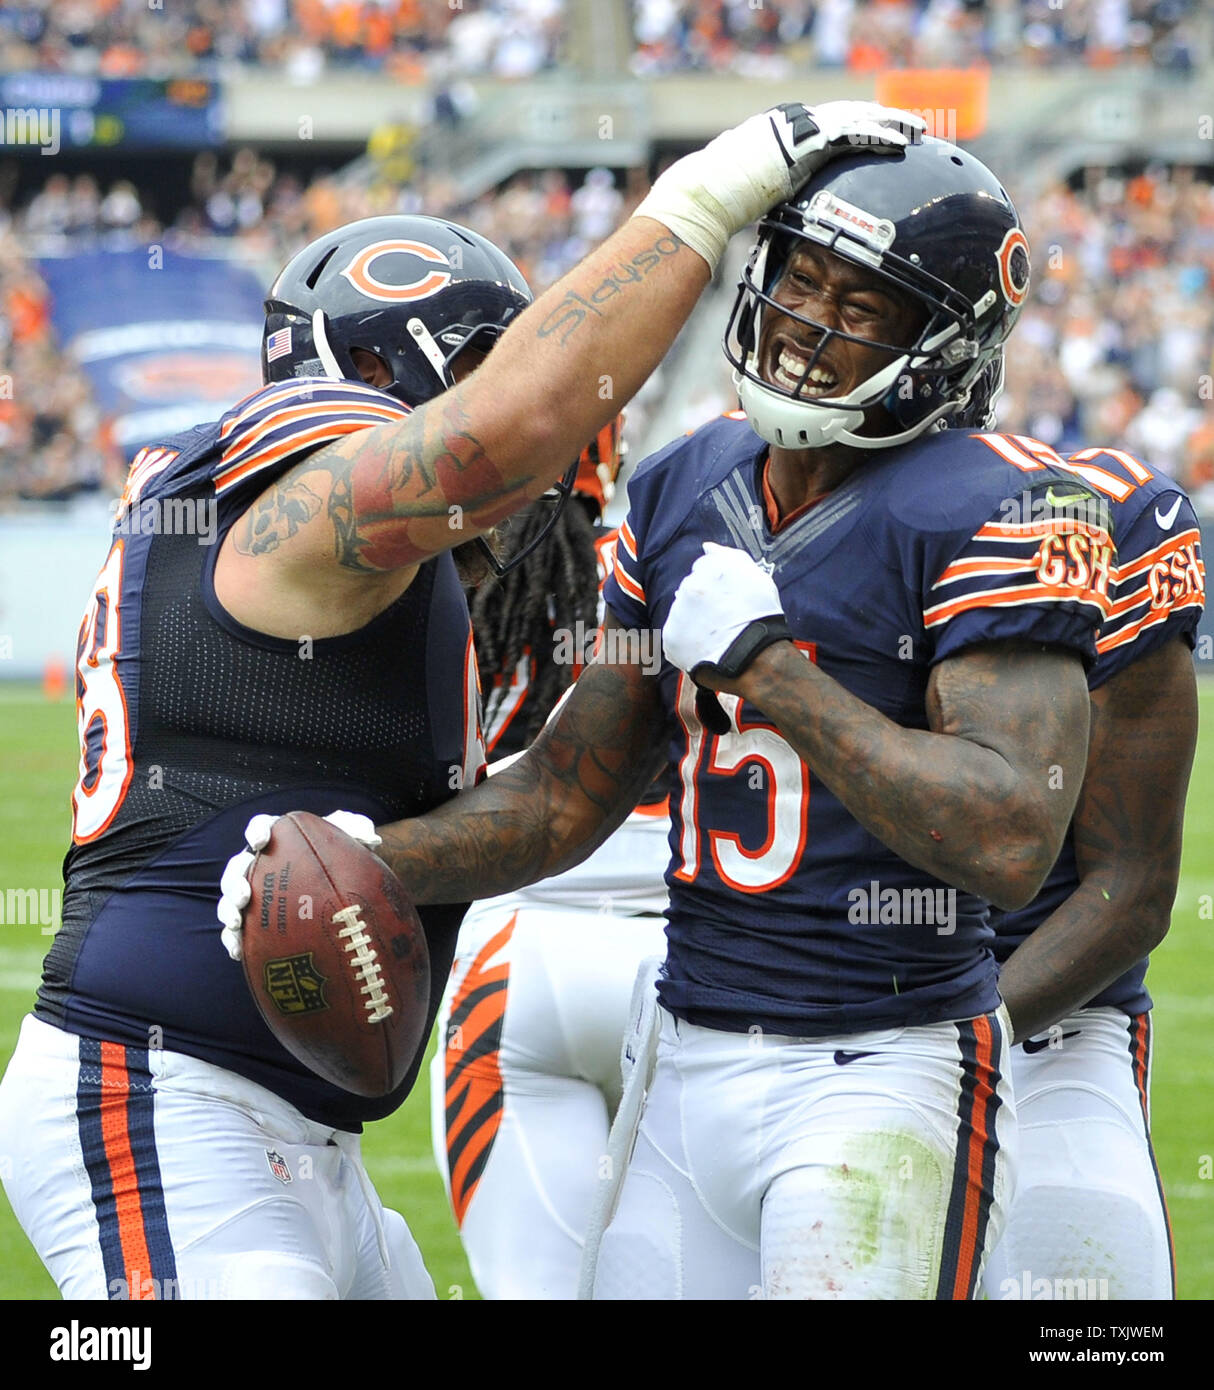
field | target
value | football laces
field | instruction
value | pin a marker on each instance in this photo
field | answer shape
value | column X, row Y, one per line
column 364, row 960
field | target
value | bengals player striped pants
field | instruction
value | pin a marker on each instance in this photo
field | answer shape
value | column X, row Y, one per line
column 525, row 1082
column 869, row 1166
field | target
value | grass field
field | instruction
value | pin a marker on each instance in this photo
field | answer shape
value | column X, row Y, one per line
column 37, row 758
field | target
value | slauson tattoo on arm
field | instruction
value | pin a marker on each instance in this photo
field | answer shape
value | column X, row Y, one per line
column 573, row 311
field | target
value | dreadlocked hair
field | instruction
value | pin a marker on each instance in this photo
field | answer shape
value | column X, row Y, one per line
column 554, row 589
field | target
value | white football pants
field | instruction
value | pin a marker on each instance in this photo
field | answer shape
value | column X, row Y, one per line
column 1088, row 1219
column 525, row 1082
column 148, row 1174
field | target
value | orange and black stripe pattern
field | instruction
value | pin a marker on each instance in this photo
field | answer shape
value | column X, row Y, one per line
column 1140, row 1059
column 474, row 1095
column 114, row 1105
column 973, row 1189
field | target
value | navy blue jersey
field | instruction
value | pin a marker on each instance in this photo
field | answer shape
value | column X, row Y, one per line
column 190, row 723
column 785, row 912
column 1158, row 590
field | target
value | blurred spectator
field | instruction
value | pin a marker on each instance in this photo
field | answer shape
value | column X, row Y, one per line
column 50, row 429
column 867, row 35
column 1115, row 344
column 596, row 206
column 417, row 41
column 124, row 38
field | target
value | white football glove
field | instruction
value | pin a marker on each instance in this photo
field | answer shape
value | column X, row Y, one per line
column 725, row 593
column 235, row 890
column 707, row 196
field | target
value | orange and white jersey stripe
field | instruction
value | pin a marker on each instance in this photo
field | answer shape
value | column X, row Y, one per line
column 1009, row 564
column 286, row 422
column 1166, row 581
column 627, row 568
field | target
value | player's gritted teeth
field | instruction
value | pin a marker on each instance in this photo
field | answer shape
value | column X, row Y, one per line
column 785, row 367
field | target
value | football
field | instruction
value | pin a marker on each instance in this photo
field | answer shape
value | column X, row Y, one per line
column 335, row 956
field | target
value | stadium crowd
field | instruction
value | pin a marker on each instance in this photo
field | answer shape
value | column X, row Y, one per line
column 127, row 38
column 775, row 37
column 53, row 439
column 1114, row 347
column 418, row 40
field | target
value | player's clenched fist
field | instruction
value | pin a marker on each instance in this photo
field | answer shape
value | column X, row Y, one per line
column 707, row 196
column 724, row 614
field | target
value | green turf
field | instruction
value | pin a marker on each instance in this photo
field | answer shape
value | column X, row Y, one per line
column 37, row 756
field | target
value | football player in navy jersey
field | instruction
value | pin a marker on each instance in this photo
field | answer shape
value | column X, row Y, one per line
column 1089, row 1211
column 158, row 1141
column 874, row 717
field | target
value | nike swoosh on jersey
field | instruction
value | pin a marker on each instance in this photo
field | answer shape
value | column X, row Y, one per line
column 1165, row 519
column 1032, row 1045
column 842, row 1058
column 1071, row 497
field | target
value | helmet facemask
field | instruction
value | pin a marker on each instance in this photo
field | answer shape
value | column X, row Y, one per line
column 921, row 382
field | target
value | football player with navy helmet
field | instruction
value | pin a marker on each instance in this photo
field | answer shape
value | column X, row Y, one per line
column 927, row 237
column 873, row 717
column 416, row 292
column 1089, row 1211
column 318, row 655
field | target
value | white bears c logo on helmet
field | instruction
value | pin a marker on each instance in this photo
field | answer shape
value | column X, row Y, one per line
column 1013, row 268
column 360, row 275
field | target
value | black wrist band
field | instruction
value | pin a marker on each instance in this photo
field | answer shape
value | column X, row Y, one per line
column 754, row 638
column 763, row 632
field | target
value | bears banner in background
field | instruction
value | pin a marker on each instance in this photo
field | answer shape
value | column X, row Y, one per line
column 168, row 340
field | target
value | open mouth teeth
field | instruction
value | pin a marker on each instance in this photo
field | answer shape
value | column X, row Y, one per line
column 790, row 367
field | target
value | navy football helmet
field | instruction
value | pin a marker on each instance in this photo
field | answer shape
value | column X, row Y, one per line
column 935, row 224
column 416, row 291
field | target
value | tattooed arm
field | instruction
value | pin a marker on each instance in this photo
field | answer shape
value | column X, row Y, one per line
column 340, row 535
column 1127, row 843
column 551, row 807
column 981, row 801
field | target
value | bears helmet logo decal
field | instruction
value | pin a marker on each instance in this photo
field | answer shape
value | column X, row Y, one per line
column 361, row 276
column 1013, row 258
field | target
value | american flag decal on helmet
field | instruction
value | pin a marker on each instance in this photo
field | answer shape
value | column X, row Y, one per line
column 278, row 344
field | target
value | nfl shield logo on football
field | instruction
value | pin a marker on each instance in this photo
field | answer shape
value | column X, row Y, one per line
column 278, row 1165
